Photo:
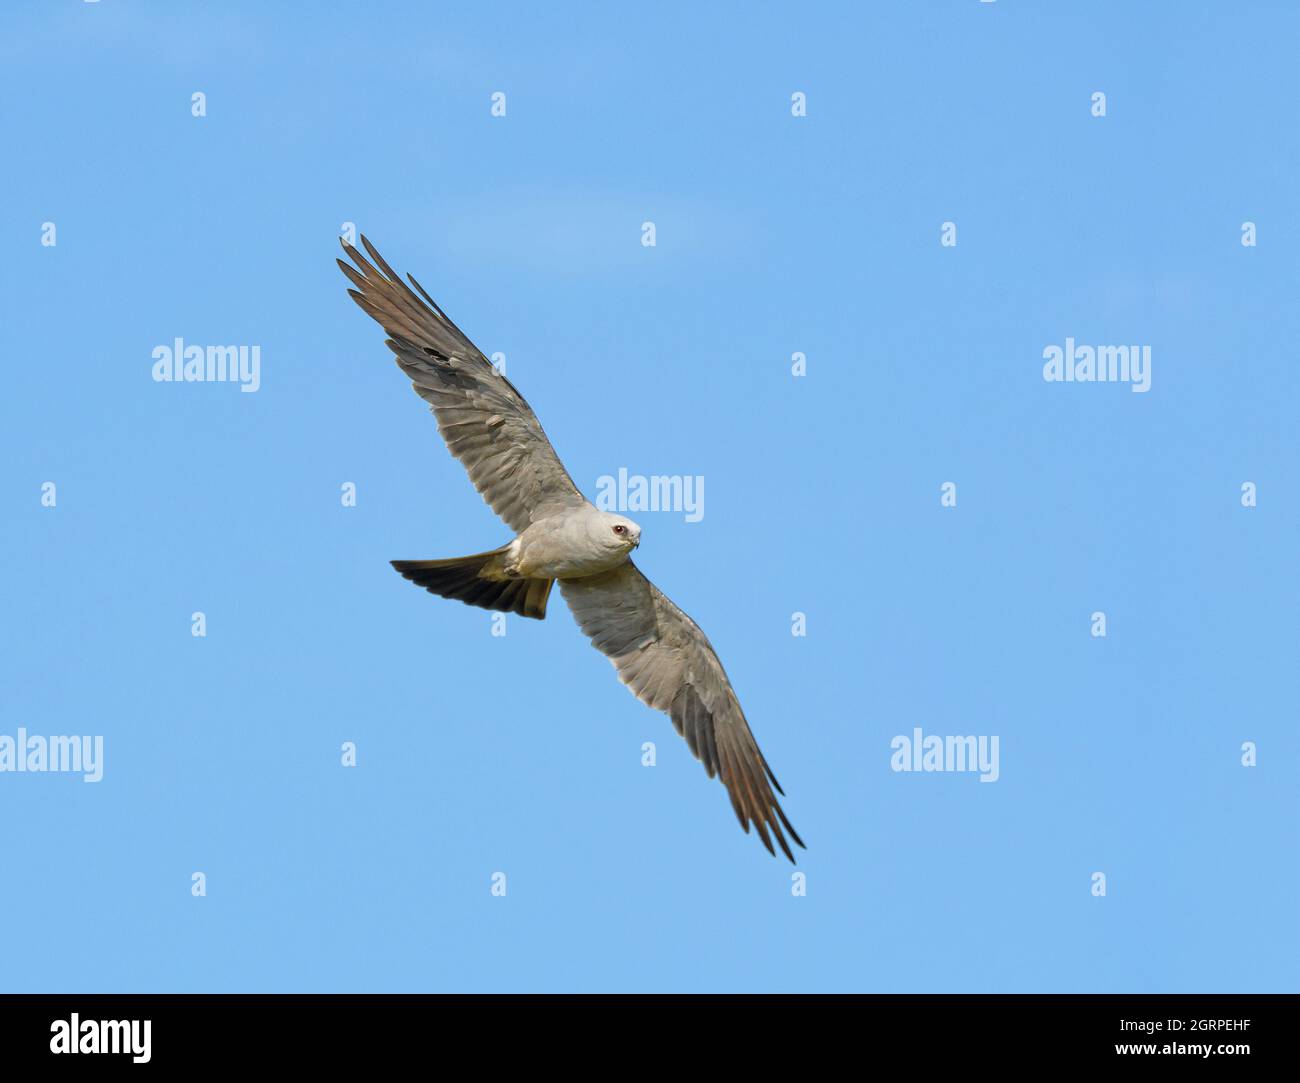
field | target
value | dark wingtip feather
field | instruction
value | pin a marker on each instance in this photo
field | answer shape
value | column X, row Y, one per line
column 423, row 292
column 380, row 262
column 351, row 274
column 771, row 774
column 788, row 826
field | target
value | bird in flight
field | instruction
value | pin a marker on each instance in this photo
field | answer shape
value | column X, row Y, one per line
column 658, row 651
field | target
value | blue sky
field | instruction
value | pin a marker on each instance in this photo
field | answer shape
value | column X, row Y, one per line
column 775, row 234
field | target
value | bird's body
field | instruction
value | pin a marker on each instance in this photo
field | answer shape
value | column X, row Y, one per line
column 573, row 544
column 658, row 651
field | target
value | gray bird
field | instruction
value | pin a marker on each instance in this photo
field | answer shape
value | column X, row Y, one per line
column 658, row 651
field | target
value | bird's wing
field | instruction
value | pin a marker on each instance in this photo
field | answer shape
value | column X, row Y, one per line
column 487, row 424
column 668, row 663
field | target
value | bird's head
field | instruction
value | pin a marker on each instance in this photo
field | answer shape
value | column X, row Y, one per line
column 617, row 532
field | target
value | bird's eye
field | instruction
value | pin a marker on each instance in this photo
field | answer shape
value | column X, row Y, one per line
column 620, row 529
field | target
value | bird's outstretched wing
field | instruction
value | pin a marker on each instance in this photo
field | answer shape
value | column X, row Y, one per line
column 667, row 662
column 487, row 424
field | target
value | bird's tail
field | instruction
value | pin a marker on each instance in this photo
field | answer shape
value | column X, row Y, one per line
column 480, row 580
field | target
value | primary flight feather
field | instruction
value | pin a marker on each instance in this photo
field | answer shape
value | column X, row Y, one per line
column 658, row 651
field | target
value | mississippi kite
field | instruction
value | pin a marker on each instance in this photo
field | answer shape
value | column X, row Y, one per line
column 658, row 651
